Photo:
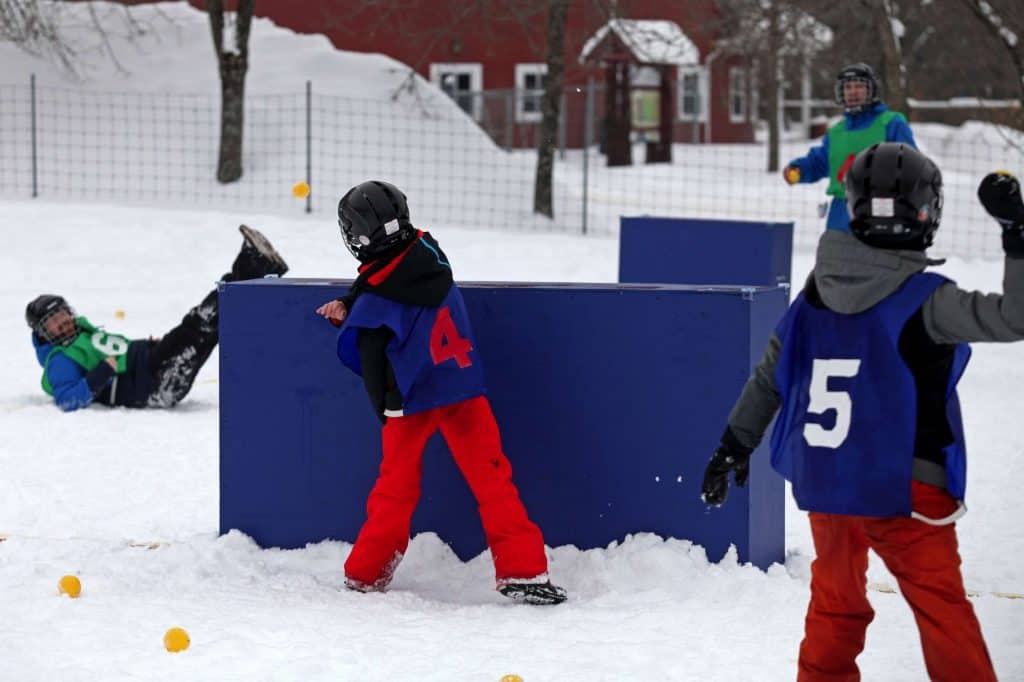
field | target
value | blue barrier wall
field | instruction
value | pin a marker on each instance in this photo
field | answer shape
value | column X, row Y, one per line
column 701, row 251
column 610, row 400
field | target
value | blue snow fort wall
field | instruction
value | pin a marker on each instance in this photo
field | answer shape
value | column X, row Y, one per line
column 703, row 251
column 610, row 400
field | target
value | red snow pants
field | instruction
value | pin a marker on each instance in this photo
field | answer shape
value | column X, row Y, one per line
column 469, row 428
column 925, row 562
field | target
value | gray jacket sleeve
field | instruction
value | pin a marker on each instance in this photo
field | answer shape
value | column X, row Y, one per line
column 952, row 315
column 756, row 407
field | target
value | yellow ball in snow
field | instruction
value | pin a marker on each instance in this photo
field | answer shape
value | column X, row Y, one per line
column 176, row 640
column 300, row 190
column 512, row 677
column 119, row 314
column 70, row 585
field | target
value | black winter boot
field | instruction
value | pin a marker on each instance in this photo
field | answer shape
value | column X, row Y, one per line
column 257, row 258
column 538, row 591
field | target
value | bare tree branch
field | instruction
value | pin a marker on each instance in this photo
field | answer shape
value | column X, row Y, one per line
column 106, row 41
column 778, row 36
column 1009, row 39
column 36, row 28
column 67, row 33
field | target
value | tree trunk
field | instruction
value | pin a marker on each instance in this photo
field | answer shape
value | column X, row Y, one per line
column 773, row 85
column 232, row 115
column 895, row 93
column 233, row 66
column 550, row 108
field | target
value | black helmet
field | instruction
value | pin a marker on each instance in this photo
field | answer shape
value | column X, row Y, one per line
column 857, row 72
column 894, row 197
column 43, row 308
column 374, row 218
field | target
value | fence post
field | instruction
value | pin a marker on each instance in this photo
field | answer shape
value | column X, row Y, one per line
column 588, row 134
column 561, row 127
column 35, row 171
column 510, row 114
column 309, row 144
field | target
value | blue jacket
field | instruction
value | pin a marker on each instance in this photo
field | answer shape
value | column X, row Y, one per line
column 75, row 388
column 814, row 166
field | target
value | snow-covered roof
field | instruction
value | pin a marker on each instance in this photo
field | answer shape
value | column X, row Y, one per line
column 650, row 41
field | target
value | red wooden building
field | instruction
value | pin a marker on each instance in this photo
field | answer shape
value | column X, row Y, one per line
column 455, row 45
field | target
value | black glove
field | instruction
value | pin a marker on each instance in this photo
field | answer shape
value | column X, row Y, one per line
column 999, row 193
column 731, row 455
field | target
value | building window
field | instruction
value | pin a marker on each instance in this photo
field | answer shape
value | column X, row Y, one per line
column 737, row 95
column 462, row 82
column 530, row 81
column 692, row 94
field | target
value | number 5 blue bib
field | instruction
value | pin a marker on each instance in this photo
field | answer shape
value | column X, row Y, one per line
column 844, row 436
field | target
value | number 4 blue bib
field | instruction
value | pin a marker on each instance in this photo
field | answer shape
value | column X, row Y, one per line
column 432, row 353
column 845, row 432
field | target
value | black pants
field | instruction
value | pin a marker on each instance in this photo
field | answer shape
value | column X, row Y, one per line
column 176, row 359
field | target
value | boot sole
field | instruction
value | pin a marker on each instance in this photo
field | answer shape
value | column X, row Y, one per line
column 259, row 242
column 530, row 594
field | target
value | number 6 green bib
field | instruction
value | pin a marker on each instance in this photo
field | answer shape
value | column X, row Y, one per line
column 89, row 349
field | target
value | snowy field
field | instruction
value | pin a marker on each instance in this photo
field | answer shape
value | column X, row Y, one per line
column 78, row 489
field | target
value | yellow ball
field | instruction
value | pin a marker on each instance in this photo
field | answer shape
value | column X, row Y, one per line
column 512, row 677
column 176, row 640
column 300, row 190
column 119, row 314
column 70, row 585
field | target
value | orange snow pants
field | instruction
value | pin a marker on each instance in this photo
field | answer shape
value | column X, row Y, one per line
column 925, row 562
column 469, row 428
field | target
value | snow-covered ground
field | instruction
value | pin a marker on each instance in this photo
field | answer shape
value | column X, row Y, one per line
column 78, row 488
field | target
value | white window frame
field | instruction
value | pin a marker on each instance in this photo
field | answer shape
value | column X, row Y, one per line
column 702, row 90
column 476, row 80
column 738, row 88
column 522, row 71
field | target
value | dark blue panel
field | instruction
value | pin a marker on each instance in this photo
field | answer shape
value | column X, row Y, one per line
column 609, row 398
column 767, row 506
column 699, row 251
